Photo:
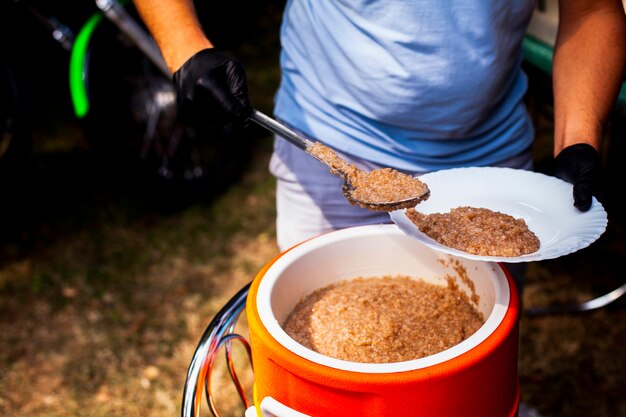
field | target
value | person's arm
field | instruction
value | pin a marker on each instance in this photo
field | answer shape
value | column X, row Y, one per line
column 211, row 86
column 175, row 28
column 588, row 69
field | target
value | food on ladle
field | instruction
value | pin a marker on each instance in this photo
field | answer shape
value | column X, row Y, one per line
column 377, row 188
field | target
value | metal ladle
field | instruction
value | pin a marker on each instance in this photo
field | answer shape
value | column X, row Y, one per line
column 348, row 188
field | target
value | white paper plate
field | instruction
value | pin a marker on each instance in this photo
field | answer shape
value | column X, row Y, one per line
column 545, row 203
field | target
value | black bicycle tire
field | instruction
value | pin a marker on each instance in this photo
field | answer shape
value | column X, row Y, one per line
column 221, row 161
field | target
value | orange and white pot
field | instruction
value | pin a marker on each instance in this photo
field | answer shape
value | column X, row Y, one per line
column 476, row 378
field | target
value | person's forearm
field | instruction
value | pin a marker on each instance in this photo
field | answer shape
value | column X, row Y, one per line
column 588, row 69
column 175, row 28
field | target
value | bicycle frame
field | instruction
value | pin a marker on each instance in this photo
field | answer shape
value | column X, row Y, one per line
column 148, row 138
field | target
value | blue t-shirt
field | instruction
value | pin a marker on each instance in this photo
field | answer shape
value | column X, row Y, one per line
column 414, row 85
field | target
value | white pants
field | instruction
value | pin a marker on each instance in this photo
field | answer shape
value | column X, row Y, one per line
column 309, row 199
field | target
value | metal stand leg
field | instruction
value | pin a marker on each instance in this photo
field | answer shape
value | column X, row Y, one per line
column 218, row 332
column 596, row 303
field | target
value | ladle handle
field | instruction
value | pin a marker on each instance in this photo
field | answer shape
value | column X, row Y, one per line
column 281, row 130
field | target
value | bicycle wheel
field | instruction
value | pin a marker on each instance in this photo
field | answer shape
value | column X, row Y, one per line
column 133, row 124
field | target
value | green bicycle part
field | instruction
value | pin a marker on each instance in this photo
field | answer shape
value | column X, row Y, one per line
column 538, row 53
column 78, row 66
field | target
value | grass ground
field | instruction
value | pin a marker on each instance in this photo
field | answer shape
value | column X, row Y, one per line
column 102, row 299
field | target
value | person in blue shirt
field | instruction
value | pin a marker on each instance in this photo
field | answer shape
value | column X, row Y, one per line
column 412, row 85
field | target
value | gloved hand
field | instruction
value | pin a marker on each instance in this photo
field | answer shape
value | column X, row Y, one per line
column 212, row 90
column 579, row 165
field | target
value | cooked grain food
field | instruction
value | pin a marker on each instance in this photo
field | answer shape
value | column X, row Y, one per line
column 329, row 157
column 385, row 185
column 383, row 319
column 382, row 185
column 478, row 231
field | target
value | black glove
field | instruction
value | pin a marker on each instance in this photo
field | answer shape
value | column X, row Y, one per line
column 212, row 90
column 579, row 165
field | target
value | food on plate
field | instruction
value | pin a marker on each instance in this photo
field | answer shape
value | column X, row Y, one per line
column 478, row 231
column 383, row 319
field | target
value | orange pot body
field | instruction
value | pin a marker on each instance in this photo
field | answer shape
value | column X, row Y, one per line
column 481, row 382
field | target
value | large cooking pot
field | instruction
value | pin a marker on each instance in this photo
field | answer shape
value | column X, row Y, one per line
column 477, row 377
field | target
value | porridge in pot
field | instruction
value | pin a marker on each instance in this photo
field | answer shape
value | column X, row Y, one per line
column 383, row 319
